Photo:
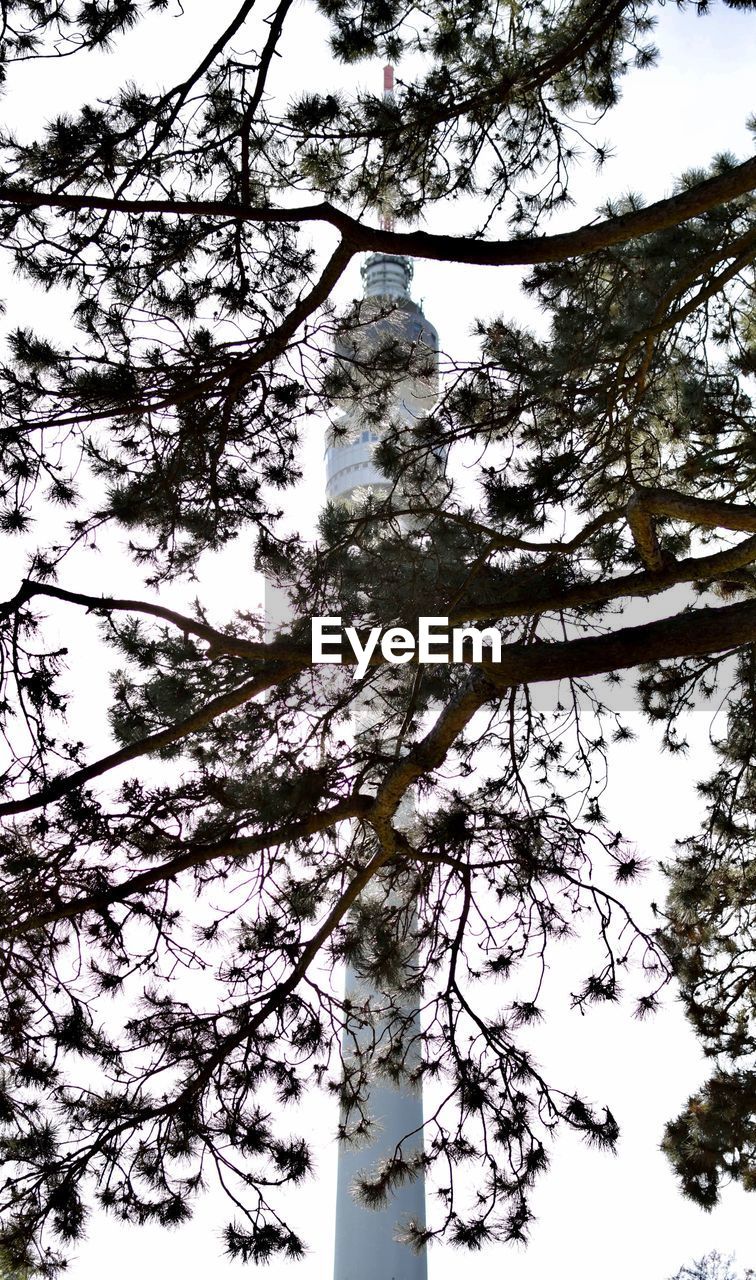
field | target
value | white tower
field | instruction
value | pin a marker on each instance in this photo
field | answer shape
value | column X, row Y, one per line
column 366, row 1244
column 387, row 314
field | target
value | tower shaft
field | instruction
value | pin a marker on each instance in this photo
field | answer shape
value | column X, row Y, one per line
column 367, row 1247
column 368, row 1244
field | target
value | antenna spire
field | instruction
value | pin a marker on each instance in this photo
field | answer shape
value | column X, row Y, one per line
column 387, row 212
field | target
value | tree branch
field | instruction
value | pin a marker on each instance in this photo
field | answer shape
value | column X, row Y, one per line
column 691, row 634
column 698, row 632
column 263, row 67
column 219, row 641
column 155, row 742
column 358, row 238
column 648, row 583
column 240, row 368
column 709, row 513
column 194, row 856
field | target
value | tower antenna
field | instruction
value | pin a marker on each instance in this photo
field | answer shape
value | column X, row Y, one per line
column 387, row 212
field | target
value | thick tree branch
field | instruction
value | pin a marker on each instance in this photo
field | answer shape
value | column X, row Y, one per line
column 709, row 513
column 643, row 529
column 647, row 503
column 691, row 634
column 425, row 756
column 697, row 633
column 714, row 629
column 358, row 238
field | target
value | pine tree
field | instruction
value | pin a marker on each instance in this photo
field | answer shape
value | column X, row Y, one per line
column 198, row 235
column 713, row 1266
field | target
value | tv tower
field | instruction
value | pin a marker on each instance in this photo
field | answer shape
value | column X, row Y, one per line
column 367, row 1246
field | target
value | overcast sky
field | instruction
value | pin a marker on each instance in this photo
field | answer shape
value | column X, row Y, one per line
column 596, row 1213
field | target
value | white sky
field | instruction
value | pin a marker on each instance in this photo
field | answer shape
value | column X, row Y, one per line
column 596, row 1213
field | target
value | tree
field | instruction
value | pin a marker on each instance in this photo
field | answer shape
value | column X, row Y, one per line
column 711, row 1267
column 199, row 234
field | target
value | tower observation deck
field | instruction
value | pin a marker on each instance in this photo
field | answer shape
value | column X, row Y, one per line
column 367, row 1243
column 387, row 320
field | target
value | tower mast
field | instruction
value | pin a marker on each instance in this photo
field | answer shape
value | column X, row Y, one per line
column 367, row 1246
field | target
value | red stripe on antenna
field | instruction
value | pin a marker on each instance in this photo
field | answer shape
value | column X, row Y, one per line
column 388, row 79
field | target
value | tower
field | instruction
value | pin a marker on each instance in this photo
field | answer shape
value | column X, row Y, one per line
column 386, row 315
column 366, row 1244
